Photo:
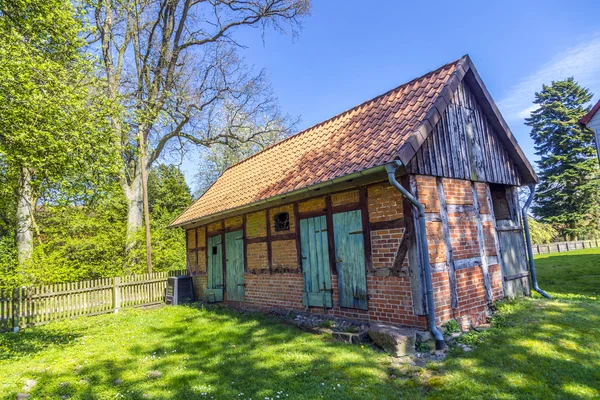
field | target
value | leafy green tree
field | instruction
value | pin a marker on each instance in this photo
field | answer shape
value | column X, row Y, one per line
column 175, row 68
column 541, row 232
column 167, row 190
column 168, row 196
column 569, row 191
column 79, row 242
column 53, row 115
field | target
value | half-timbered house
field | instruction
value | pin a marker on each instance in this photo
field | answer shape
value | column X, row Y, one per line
column 315, row 223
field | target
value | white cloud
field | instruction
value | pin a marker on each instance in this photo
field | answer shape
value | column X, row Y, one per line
column 581, row 61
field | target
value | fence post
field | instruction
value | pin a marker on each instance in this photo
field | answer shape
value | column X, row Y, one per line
column 116, row 294
column 16, row 317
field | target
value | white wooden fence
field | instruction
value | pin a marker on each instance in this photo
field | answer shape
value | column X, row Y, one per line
column 30, row 306
column 560, row 247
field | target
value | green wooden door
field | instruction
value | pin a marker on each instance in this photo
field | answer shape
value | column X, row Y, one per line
column 234, row 266
column 214, row 291
column 315, row 262
column 350, row 259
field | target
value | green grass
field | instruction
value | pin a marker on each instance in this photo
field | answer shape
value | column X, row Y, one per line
column 538, row 349
column 573, row 275
column 221, row 353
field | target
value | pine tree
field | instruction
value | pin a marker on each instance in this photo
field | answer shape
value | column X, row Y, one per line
column 569, row 191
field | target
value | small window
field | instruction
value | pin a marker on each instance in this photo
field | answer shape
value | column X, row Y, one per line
column 282, row 222
column 500, row 202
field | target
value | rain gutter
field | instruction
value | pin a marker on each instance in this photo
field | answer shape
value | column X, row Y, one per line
column 391, row 171
column 534, row 282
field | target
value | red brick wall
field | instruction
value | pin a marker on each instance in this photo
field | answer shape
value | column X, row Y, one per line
column 463, row 234
column 462, row 221
column 389, row 296
column 441, row 296
column 384, row 247
column 284, row 255
column 384, row 203
column 472, row 302
column 390, row 299
column 496, row 282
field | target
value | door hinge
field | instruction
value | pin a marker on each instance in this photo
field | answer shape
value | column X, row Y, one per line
column 356, row 233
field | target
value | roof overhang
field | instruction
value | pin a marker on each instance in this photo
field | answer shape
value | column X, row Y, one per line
column 588, row 117
column 360, row 178
column 465, row 70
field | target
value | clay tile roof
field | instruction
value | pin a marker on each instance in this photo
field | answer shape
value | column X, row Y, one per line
column 363, row 137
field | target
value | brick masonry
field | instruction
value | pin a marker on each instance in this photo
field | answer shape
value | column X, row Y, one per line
column 390, row 297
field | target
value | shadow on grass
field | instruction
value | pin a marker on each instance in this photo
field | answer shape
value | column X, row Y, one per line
column 225, row 354
column 29, row 342
column 542, row 349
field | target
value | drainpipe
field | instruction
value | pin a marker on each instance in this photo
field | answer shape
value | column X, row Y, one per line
column 391, row 171
column 534, row 282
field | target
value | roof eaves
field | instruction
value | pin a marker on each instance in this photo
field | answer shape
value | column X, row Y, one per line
column 434, row 114
column 588, row 117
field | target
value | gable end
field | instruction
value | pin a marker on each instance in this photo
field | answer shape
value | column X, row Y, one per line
column 463, row 144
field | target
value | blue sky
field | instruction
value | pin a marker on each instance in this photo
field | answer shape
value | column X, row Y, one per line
column 350, row 51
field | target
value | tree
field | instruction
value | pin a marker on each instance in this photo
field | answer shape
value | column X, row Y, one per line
column 173, row 65
column 569, row 191
column 167, row 190
column 214, row 160
column 541, row 233
column 51, row 120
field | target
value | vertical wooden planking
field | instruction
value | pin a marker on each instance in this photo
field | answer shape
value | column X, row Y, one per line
column 350, row 257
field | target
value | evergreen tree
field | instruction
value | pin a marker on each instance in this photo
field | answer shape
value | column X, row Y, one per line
column 569, row 189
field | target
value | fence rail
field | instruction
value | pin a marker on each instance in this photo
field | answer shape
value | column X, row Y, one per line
column 37, row 305
column 560, row 247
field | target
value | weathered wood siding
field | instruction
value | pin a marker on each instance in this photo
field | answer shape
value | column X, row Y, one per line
column 463, row 145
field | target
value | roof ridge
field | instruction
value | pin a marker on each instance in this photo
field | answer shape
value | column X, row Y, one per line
column 333, row 118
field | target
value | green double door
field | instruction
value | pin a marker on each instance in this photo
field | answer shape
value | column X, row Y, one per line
column 349, row 258
column 234, row 267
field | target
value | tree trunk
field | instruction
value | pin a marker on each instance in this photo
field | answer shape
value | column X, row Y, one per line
column 24, row 216
column 135, row 204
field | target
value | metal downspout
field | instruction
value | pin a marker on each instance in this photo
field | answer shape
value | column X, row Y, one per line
column 391, row 171
column 534, row 282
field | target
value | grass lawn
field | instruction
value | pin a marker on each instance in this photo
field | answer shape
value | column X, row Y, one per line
column 538, row 349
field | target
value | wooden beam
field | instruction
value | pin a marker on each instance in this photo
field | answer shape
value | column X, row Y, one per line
column 298, row 243
column 245, row 243
column 417, row 282
column 448, row 243
column 269, row 248
column 481, row 240
column 206, row 246
column 394, row 224
column 364, row 210
column 224, row 260
column 488, row 195
column 330, row 238
column 197, row 246
column 311, row 214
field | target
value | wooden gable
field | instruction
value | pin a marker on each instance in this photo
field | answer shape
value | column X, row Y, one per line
column 464, row 145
